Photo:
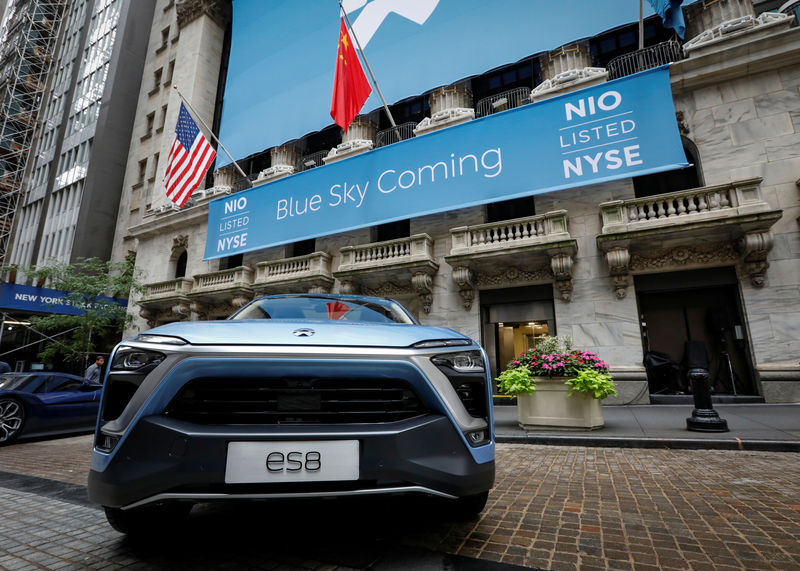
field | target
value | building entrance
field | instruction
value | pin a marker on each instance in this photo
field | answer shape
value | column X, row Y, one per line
column 694, row 306
column 513, row 321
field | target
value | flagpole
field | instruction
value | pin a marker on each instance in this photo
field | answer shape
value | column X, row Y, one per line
column 369, row 69
column 210, row 132
column 641, row 25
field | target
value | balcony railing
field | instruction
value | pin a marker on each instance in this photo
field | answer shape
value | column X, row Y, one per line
column 298, row 274
column 502, row 101
column 647, row 58
column 392, row 252
column 169, row 288
column 675, row 208
column 241, row 276
column 390, row 135
column 543, row 228
column 313, row 160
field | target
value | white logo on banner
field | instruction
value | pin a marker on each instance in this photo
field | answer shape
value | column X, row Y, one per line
column 376, row 11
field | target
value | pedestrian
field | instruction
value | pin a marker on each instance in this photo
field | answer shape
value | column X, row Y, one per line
column 93, row 373
column 4, row 367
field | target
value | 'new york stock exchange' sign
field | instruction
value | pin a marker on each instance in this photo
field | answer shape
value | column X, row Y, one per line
column 619, row 129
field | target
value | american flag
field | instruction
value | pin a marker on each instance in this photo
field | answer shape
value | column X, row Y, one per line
column 189, row 159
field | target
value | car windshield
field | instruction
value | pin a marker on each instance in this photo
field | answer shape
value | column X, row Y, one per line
column 325, row 309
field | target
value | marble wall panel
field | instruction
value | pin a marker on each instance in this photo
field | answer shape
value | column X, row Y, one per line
column 783, row 101
column 784, row 273
column 750, row 86
column 770, row 300
column 789, row 76
column 629, row 392
column 729, row 113
column 707, row 97
column 782, row 172
column 782, row 148
column 746, row 132
column 619, row 310
column 780, row 391
column 776, row 351
column 786, row 325
column 760, row 328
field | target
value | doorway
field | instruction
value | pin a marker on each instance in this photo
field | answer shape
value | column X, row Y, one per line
column 513, row 320
column 694, row 306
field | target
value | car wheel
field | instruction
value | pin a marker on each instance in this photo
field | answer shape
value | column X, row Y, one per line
column 148, row 520
column 467, row 507
column 12, row 419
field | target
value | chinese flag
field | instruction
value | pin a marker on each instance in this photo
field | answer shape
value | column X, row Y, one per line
column 350, row 86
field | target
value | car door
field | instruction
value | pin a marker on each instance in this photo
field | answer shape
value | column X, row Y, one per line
column 69, row 402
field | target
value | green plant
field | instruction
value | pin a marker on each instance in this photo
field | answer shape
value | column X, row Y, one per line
column 516, row 381
column 556, row 357
column 593, row 383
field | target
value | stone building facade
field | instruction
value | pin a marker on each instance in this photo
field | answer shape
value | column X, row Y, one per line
column 630, row 269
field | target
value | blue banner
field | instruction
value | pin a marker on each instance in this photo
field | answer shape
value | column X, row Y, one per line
column 619, row 129
column 280, row 74
column 43, row 300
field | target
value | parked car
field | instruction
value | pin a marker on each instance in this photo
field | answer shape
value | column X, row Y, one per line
column 293, row 396
column 45, row 403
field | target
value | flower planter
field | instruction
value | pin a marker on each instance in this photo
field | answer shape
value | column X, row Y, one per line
column 550, row 406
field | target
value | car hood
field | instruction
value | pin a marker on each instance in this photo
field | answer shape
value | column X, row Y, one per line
column 282, row 332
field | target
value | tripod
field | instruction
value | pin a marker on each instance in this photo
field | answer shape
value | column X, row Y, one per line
column 725, row 364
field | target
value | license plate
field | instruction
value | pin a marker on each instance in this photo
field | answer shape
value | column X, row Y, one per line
column 295, row 461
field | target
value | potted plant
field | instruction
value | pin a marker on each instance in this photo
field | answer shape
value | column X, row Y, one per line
column 557, row 385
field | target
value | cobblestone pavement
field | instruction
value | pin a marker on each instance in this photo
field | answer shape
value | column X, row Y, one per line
column 552, row 507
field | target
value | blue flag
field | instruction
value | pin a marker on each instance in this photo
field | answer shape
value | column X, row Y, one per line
column 671, row 14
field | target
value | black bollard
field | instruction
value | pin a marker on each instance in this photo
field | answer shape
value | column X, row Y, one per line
column 704, row 418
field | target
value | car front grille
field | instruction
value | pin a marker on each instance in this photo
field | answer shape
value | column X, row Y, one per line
column 294, row 400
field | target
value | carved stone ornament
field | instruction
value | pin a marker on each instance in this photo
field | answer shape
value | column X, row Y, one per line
column 190, row 10
column 386, row 289
column 755, row 248
column 463, row 278
column 240, row 299
column 513, row 276
column 618, row 260
column 180, row 243
column 181, row 310
column 702, row 255
column 348, row 287
column 423, row 286
column 561, row 264
column 319, row 289
column 683, row 127
column 149, row 316
column 199, row 309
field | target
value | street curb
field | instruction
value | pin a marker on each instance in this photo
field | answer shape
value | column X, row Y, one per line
column 669, row 443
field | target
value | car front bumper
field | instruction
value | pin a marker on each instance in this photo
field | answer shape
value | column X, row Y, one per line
column 168, row 459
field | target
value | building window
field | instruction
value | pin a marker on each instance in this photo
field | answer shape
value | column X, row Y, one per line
column 155, row 167
column 180, row 265
column 301, row 248
column 674, row 180
column 510, row 209
column 392, row 230
column 230, row 262
column 148, row 129
column 142, row 171
column 170, row 72
column 163, row 119
column 157, row 80
column 164, row 40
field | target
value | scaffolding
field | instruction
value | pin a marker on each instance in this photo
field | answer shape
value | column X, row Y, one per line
column 28, row 40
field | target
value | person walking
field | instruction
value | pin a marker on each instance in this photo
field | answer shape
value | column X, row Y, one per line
column 94, row 371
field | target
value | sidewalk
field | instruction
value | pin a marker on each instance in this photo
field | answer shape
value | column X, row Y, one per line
column 768, row 427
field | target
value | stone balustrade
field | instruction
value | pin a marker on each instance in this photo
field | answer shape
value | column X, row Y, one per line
column 677, row 208
column 542, row 228
column 223, row 279
column 380, row 254
column 311, row 272
column 169, row 288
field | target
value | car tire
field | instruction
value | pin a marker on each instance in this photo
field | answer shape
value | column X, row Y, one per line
column 149, row 520
column 12, row 419
column 467, row 507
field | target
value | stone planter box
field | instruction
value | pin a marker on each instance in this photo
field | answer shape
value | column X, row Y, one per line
column 550, row 406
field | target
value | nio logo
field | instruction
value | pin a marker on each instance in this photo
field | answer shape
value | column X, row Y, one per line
column 375, row 13
column 303, row 332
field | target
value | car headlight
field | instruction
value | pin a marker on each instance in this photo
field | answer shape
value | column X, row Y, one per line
column 162, row 339
column 461, row 362
column 135, row 359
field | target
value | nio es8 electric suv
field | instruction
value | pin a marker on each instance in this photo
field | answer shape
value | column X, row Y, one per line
column 293, row 396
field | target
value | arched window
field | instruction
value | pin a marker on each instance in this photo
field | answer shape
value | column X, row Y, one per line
column 674, row 180
column 180, row 265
